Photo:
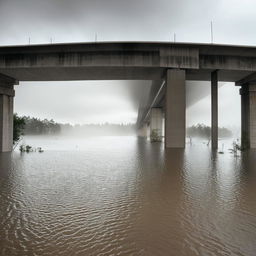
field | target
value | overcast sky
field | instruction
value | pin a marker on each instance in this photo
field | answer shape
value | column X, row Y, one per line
column 117, row 20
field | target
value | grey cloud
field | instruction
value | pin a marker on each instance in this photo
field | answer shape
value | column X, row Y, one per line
column 115, row 20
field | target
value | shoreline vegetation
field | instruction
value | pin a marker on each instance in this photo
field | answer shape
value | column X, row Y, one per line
column 204, row 131
column 26, row 125
column 27, row 148
column 36, row 126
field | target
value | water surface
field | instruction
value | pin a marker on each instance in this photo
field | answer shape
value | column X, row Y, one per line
column 126, row 196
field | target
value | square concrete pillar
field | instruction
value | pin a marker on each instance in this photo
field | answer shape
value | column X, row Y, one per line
column 175, row 109
column 6, row 119
column 156, row 124
column 214, row 109
column 248, row 112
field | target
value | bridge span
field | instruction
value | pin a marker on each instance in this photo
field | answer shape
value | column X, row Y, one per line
column 168, row 65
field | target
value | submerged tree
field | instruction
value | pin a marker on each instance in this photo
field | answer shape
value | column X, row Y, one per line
column 18, row 127
column 154, row 136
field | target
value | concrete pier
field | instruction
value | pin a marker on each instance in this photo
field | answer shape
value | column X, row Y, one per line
column 156, row 124
column 6, row 118
column 214, row 109
column 248, row 112
column 143, row 131
column 175, row 109
column 166, row 64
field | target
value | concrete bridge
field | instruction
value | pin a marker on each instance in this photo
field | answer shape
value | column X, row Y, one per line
column 168, row 65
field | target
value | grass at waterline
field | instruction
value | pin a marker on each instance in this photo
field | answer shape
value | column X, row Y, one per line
column 28, row 149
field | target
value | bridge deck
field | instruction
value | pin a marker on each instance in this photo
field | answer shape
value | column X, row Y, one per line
column 125, row 61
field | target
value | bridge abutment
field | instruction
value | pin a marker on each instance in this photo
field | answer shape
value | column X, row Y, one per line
column 175, row 109
column 248, row 112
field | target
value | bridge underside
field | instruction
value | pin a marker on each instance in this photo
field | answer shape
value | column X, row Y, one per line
column 168, row 65
column 114, row 73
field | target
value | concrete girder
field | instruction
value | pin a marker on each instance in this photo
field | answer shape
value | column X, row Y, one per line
column 247, row 80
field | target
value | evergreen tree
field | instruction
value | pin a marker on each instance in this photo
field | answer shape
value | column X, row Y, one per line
column 18, row 126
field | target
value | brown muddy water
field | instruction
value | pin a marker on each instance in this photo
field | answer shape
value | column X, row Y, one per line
column 125, row 196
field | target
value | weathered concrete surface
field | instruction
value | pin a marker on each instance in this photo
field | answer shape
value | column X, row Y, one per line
column 156, row 124
column 175, row 109
column 248, row 111
column 95, row 61
column 125, row 60
column 214, row 109
column 6, row 112
column 245, row 132
column 131, row 61
column 6, row 122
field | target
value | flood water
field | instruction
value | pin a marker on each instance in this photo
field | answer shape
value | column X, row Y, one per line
column 126, row 196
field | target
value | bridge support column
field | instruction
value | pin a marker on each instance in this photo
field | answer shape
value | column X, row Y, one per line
column 175, row 109
column 143, row 131
column 156, row 124
column 248, row 112
column 6, row 118
column 214, row 109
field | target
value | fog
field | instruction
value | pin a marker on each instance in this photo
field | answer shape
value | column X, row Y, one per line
column 82, row 102
column 229, row 104
column 55, row 21
column 98, row 102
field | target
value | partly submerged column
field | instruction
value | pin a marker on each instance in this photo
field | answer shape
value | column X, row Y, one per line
column 143, row 131
column 156, row 124
column 6, row 117
column 214, row 109
column 248, row 112
column 175, row 109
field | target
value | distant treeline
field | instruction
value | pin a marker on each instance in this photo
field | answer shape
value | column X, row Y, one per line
column 203, row 131
column 36, row 126
column 98, row 129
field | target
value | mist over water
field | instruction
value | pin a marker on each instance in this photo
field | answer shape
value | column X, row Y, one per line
column 118, row 102
column 82, row 102
column 126, row 196
column 119, row 195
column 199, row 105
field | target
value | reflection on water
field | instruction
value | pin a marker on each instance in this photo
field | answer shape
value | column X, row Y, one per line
column 125, row 196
